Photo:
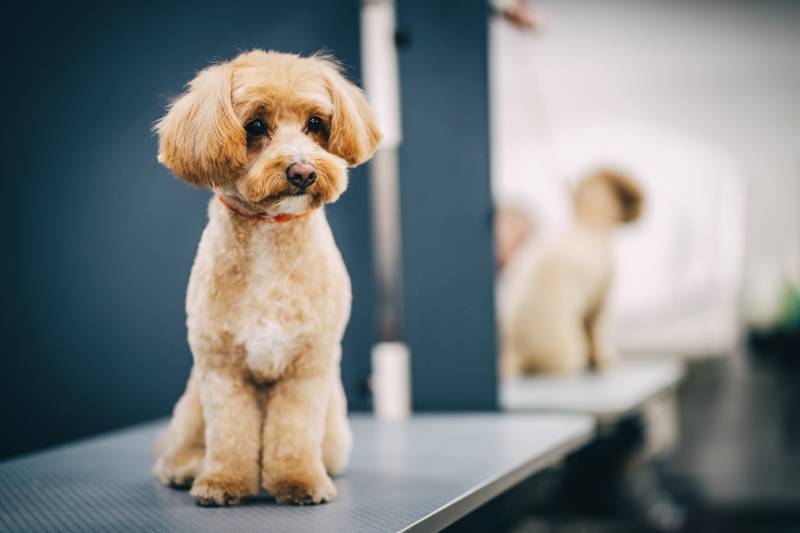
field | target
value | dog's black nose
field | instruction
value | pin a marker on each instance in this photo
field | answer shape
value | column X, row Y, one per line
column 301, row 175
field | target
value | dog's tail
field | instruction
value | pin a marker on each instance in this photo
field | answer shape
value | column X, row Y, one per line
column 629, row 195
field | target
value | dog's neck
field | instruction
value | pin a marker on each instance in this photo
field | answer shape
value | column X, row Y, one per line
column 293, row 233
column 600, row 224
column 596, row 223
column 243, row 212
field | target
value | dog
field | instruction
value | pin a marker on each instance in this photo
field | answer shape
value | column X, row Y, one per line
column 556, row 324
column 272, row 135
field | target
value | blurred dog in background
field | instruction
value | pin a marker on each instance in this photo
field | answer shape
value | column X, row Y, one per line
column 556, row 321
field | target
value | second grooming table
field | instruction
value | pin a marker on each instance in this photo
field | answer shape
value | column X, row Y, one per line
column 608, row 395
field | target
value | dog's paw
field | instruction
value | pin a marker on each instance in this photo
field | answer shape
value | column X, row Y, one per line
column 220, row 490
column 179, row 469
column 308, row 489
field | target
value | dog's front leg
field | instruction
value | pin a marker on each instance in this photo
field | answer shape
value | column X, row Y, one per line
column 180, row 450
column 601, row 351
column 233, row 425
column 292, row 467
column 338, row 439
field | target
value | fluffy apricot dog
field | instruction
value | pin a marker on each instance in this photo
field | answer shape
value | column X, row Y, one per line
column 272, row 135
column 557, row 323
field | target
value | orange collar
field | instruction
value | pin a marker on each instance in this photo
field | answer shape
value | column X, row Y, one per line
column 256, row 216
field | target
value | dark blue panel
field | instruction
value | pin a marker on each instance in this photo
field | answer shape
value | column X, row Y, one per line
column 446, row 204
column 99, row 238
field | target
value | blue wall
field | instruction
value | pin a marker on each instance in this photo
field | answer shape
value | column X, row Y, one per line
column 98, row 237
column 448, row 268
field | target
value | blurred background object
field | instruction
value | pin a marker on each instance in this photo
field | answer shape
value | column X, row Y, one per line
column 446, row 205
column 382, row 86
column 558, row 319
column 699, row 102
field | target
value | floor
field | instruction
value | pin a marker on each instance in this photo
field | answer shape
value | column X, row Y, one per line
column 734, row 434
column 736, row 469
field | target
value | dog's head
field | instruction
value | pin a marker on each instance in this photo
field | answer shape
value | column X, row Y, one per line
column 609, row 196
column 273, row 131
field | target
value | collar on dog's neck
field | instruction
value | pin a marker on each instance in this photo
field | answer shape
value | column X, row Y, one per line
column 257, row 216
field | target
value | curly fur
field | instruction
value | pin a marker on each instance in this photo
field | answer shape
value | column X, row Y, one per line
column 267, row 302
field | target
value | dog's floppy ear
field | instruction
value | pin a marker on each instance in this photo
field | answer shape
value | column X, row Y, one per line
column 200, row 138
column 354, row 134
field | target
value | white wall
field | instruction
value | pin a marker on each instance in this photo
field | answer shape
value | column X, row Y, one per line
column 725, row 73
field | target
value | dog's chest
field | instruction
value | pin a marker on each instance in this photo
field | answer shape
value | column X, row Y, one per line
column 276, row 315
column 261, row 302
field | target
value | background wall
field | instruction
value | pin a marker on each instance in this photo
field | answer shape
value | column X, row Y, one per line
column 448, row 269
column 723, row 73
column 98, row 237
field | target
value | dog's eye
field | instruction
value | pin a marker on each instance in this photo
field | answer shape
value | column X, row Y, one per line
column 314, row 125
column 256, row 128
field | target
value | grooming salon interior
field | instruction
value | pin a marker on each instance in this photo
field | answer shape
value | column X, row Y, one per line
column 401, row 265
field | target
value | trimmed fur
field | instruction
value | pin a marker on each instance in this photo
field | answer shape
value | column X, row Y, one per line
column 267, row 302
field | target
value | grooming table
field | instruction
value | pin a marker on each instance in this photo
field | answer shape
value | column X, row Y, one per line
column 609, row 396
column 418, row 475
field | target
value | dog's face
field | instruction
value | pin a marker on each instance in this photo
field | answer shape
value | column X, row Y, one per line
column 275, row 132
column 610, row 197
